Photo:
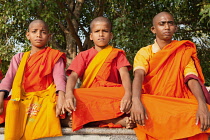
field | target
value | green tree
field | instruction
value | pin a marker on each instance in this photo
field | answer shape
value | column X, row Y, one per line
column 69, row 23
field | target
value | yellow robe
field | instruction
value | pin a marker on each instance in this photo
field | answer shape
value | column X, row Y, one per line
column 31, row 115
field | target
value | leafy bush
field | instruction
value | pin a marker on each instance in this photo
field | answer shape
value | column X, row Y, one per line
column 204, row 56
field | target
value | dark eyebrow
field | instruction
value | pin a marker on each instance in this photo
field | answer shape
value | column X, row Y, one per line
column 167, row 21
column 41, row 30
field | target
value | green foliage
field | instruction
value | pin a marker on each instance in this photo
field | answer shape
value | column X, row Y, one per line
column 205, row 11
column 131, row 20
column 5, row 55
column 204, row 55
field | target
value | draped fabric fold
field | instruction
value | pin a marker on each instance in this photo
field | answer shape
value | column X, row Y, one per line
column 100, row 100
column 168, row 101
column 31, row 113
column 38, row 69
column 94, row 66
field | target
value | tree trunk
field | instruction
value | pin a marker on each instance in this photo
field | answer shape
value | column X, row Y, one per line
column 71, row 48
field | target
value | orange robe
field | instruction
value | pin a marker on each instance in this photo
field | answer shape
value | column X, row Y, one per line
column 30, row 112
column 170, row 105
column 100, row 100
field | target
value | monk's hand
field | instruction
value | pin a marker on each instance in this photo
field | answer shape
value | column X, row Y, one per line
column 1, row 102
column 125, row 104
column 70, row 103
column 1, row 107
column 203, row 116
column 138, row 112
column 60, row 103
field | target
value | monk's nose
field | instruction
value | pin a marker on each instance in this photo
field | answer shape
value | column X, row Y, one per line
column 100, row 33
column 167, row 26
column 39, row 34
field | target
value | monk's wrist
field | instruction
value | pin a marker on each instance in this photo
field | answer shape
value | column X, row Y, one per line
column 2, row 95
column 201, row 103
column 201, row 100
column 61, row 93
column 136, row 98
column 69, row 93
column 128, row 93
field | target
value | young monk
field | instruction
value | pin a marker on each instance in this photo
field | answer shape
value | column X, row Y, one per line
column 35, row 77
column 105, row 93
column 168, row 100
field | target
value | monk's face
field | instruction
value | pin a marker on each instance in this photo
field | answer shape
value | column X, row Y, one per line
column 38, row 34
column 164, row 27
column 101, row 34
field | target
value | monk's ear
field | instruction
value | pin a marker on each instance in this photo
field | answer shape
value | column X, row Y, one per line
column 111, row 36
column 27, row 35
column 153, row 30
column 91, row 38
column 49, row 36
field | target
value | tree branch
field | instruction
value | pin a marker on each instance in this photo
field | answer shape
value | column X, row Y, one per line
column 75, row 17
column 71, row 27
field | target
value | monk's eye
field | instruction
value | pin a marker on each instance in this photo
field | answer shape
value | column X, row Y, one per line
column 171, row 23
column 162, row 23
column 44, row 32
column 105, row 31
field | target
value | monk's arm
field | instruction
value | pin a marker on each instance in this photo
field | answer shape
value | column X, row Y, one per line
column 70, row 99
column 126, row 82
column 138, row 112
column 137, row 83
column 203, row 114
column 60, row 101
column 1, row 101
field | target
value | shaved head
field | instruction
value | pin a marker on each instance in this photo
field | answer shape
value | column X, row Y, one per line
column 100, row 19
column 159, row 15
column 163, row 28
column 38, row 21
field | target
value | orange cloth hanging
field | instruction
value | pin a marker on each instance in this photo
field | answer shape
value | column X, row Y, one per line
column 102, row 100
column 38, row 69
column 168, row 101
column 31, row 115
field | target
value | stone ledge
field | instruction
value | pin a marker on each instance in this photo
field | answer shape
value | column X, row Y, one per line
column 93, row 131
column 99, row 131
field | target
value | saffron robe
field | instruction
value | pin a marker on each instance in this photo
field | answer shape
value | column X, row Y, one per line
column 170, row 105
column 31, row 115
column 59, row 77
column 99, row 99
